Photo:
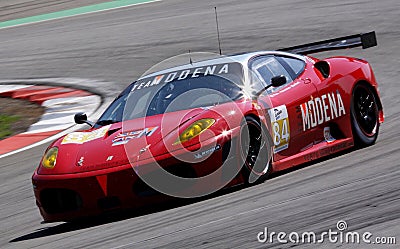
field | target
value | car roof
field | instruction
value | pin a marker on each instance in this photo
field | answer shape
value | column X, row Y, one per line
column 242, row 58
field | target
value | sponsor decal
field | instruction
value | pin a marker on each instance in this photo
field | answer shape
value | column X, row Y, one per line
column 330, row 149
column 83, row 137
column 124, row 138
column 327, row 135
column 80, row 162
column 280, row 127
column 322, row 109
column 207, row 152
column 107, row 164
column 156, row 81
column 143, row 150
column 277, row 113
column 202, row 154
column 218, row 69
column 311, row 156
column 335, row 148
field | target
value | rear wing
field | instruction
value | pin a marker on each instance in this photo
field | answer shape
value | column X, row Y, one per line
column 365, row 41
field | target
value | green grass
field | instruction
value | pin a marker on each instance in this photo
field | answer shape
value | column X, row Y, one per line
column 6, row 124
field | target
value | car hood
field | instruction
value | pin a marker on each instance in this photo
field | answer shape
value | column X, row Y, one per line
column 119, row 143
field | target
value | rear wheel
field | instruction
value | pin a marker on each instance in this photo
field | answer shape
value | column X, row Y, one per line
column 364, row 116
column 255, row 151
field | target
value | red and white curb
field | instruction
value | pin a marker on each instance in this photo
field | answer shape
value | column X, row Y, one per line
column 61, row 103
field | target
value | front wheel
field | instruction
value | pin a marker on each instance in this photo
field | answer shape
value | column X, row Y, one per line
column 364, row 116
column 255, row 151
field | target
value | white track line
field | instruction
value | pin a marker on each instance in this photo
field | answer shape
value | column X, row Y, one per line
column 81, row 14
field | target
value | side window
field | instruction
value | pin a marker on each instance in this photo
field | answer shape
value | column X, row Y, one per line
column 267, row 67
column 294, row 64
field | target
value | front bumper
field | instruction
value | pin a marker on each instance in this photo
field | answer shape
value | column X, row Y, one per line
column 72, row 196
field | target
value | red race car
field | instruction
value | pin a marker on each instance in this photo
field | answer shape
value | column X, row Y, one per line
column 191, row 130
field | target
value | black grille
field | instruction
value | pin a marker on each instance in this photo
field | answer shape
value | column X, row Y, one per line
column 60, row 200
column 109, row 202
column 140, row 188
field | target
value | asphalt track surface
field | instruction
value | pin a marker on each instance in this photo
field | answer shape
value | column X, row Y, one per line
column 361, row 187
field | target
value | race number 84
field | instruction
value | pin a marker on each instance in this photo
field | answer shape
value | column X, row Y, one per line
column 280, row 127
column 281, row 134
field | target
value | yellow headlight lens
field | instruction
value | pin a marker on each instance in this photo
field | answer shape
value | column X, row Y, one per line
column 50, row 158
column 194, row 130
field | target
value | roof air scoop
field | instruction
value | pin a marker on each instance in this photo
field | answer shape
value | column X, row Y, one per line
column 324, row 68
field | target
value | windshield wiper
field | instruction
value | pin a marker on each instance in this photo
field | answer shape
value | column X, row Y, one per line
column 107, row 122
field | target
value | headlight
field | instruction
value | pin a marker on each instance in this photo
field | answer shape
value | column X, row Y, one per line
column 194, row 130
column 50, row 158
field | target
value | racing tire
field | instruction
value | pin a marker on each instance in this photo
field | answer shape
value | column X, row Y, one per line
column 255, row 151
column 364, row 116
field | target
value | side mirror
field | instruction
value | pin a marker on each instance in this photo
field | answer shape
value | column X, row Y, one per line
column 81, row 118
column 275, row 82
column 278, row 81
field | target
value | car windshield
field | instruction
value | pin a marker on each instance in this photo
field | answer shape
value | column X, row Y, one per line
column 181, row 90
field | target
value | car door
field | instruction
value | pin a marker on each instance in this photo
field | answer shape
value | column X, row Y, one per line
column 332, row 105
column 292, row 131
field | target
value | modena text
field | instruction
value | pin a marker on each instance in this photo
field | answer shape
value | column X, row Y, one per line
column 322, row 109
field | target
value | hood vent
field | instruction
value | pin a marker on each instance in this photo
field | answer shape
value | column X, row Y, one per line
column 110, row 132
